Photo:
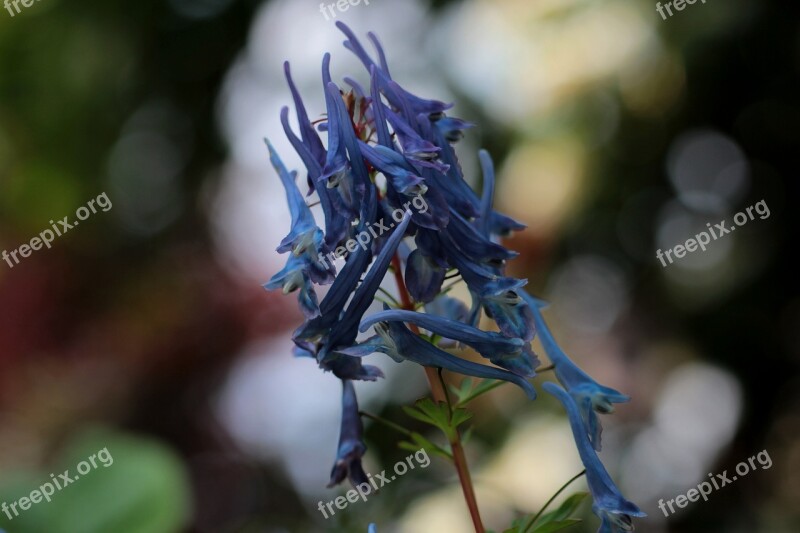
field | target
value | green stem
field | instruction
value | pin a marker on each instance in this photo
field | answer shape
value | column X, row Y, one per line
column 553, row 497
column 387, row 423
column 444, row 388
column 391, row 297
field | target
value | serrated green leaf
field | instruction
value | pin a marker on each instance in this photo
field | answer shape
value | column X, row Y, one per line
column 439, row 412
column 550, row 527
column 463, row 390
column 459, row 416
column 467, row 435
column 422, row 442
column 435, row 414
column 483, row 387
column 413, row 412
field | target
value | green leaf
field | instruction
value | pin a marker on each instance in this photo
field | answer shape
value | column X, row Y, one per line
column 422, row 442
column 462, row 391
column 141, row 486
column 435, row 414
column 556, row 526
column 413, row 412
column 458, row 417
column 565, row 510
column 486, row 385
column 438, row 415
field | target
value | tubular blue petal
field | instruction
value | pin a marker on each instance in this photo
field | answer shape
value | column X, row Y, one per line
column 400, row 343
column 379, row 115
column 307, row 132
column 344, row 332
column 610, row 506
column 448, row 307
column 293, row 277
column 348, row 137
column 589, row 395
column 475, row 245
column 395, row 167
column 417, row 104
column 336, row 224
column 423, row 277
column 351, row 443
column 512, row 354
column 452, row 128
column 487, row 198
column 498, row 295
column 379, row 48
column 413, row 145
column 302, row 219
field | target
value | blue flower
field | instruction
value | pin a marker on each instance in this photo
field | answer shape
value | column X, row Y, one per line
column 395, row 167
column 345, row 331
column 351, row 442
column 510, row 353
column 491, row 222
column 313, row 155
column 590, row 396
column 452, row 128
column 304, row 237
column 398, row 342
column 305, row 242
column 423, row 276
column 499, row 296
column 610, row 506
column 415, row 104
column 294, row 277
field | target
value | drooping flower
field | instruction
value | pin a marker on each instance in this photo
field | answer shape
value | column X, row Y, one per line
column 590, row 397
column 609, row 505
column 351, row 442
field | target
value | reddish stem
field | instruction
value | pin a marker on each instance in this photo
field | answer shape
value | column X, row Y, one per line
column 440, row 395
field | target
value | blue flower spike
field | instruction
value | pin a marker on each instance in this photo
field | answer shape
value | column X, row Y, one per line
column 379, row 152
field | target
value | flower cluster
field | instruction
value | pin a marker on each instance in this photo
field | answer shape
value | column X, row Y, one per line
column 408, row 140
